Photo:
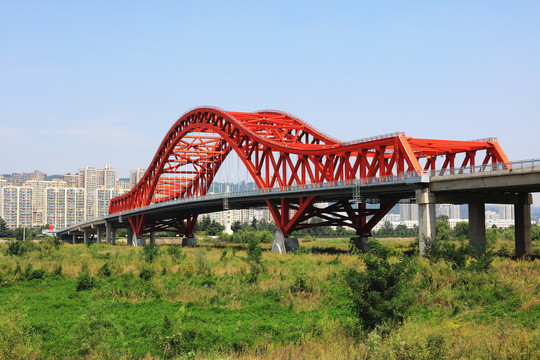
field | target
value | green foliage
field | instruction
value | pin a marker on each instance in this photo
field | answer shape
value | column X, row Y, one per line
column 388, row 230
column 254, row 259
column 18, row 248
column 379, row 294
column 150, row 252
column 461, row 230
column 4, row 231
column 443, row 230
column 302, row 282
column 535, row 233
column 105, row 270
column 202, row 263
column 52, row 242
column 210, row 227
column 30, row 273
column 146, row 273
column 84, row 280
column 175, row 251
column 24, row 234
column 299, row 308
column 57, row 270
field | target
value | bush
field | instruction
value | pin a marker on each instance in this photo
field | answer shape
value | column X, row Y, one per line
column 175, row 251
column 150, row 252
column 84, row 280
column 146, row 273
column 105, row 270
column 379, row 294
column 17, row 248
column 30, row 273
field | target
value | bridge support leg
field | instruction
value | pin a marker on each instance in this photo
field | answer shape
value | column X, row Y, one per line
column 152, row 238
column 426, row 218
column 360, row 243
column 130, row 233
column 85, row 236
column 113, row 236
column 98, row 234
column 108, row 228
column 73, row 239
column 477, row 226
column 522, row 212
column 189, row 242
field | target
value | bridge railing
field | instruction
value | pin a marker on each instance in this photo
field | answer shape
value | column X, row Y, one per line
column 513, row 166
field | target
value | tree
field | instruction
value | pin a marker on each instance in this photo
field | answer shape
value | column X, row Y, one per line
column 4, row 231
column 461, row 230
column 535, row 233
column 443, row 230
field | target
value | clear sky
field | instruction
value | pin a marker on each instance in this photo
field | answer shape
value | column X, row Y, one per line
column 96, row 82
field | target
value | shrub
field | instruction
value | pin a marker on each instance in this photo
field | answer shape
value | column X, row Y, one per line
column 17, row 248
column 84, row 280
column 57, row 270
column 175, row 251
column 31, row 273
column 482, row 261
column 105, row 270
column 150, row 252
column 302, row 282
column 146, row 273
column 202, row 263
column 379, row 294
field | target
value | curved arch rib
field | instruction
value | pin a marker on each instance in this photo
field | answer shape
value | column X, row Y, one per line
column 279, row 149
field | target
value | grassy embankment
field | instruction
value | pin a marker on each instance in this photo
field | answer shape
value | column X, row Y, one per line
column 207, row 303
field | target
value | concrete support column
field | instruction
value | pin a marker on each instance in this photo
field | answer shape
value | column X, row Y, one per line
column 113, row 236
column 98, row 234
column 108, row 228
column 73, row 239
column 360, row 243
column 477, row 226
column 152, row 238
column 522, row 212
column 426, row 218
column 130, row 234
column 189, row 242
column 85, row 236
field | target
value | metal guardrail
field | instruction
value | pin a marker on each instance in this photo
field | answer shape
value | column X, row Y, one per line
column 422, row 176
column 509, row 167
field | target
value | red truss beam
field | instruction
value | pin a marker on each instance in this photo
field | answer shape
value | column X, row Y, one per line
column 278, row 149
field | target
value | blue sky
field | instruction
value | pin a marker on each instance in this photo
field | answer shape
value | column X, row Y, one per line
column 102, row 82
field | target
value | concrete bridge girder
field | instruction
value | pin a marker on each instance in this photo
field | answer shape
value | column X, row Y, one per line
column 426, row 200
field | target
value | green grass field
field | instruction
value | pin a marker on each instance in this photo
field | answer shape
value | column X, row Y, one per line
column 211, row 302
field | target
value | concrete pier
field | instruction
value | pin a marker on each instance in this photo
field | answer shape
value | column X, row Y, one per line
column 477, row 226
column 426, row 218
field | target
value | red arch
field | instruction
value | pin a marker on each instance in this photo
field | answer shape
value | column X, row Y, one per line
column 279, row 149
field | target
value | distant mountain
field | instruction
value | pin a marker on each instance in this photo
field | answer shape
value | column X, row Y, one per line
column 51, row 177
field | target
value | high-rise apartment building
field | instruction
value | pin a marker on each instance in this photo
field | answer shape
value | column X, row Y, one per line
column 135, row 176
column 103, row 199
column 109, row 177
column 71, row 180
column 506, row 212
column 17, row 206
column 65, row 206
column 408, row 212
column 450, row 210
column 90, row 185
column 19, row 179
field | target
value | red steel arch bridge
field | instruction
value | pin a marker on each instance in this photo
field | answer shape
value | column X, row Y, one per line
column 279, row 151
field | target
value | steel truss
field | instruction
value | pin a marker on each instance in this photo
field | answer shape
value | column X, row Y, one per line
column 279, row 149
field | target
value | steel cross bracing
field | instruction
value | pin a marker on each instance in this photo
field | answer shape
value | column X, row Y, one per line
column 278, row 149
